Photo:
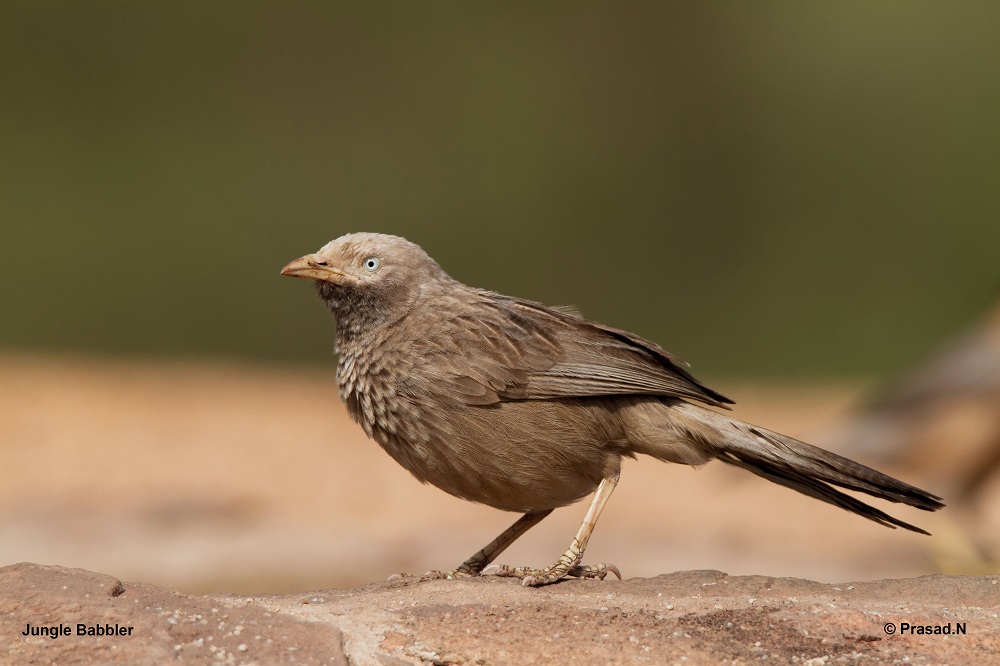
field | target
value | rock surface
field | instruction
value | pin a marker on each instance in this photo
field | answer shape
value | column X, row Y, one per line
column 686, row 617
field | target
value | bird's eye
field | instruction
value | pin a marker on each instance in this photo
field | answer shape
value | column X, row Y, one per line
column 372, row 264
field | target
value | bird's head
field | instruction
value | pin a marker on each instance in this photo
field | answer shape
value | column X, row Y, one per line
column 369, row 279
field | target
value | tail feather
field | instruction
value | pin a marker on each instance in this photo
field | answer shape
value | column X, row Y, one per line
column 805, row 468
column 821, row 491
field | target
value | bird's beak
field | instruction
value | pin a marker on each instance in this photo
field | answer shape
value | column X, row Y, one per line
column 315, row 267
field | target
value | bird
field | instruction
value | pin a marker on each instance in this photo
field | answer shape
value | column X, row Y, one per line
column 527, row 408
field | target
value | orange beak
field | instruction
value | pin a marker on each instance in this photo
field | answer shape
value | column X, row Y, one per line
column 315, row 267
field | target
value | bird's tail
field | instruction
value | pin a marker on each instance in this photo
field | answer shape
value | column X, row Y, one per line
column 800, row 466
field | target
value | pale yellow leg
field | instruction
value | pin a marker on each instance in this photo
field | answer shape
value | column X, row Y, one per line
column 569, row 563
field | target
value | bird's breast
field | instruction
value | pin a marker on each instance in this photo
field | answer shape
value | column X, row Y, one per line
column 521, row 456
column 369, row 380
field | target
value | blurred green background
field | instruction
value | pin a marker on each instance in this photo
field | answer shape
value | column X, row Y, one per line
column 766, row 189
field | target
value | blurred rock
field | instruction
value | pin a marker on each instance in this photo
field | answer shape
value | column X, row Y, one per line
column 941, row 418
column 941, row 421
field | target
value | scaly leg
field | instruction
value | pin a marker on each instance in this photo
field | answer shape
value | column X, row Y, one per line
column 475, row 564
column 569, row 563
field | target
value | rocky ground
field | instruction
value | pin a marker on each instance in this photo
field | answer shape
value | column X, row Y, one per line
column 689, row 617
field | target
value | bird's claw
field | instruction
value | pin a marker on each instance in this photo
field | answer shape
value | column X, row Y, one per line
column 612, row 569
column 402, row 579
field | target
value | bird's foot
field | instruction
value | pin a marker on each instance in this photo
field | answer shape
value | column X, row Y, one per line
column 407, row 579
column 558, row 571
column 463, row 571
column 566, row 566
column 447, row 575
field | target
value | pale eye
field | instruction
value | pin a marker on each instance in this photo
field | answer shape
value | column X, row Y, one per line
column 372, row 264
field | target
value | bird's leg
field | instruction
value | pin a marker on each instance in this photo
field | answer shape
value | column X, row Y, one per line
column 475, row 564
column 569, row 563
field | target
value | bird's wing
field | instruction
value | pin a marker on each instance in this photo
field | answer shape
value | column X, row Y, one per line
column 601, row 360
column 505, row 348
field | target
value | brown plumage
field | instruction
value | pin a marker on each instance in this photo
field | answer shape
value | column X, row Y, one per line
column 527, row 408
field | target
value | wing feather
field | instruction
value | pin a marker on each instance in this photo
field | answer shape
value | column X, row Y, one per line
column 505, row 348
